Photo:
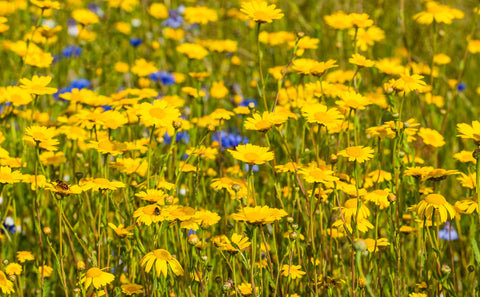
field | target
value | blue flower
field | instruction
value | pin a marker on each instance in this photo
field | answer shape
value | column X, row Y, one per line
column 9, row 225
column 166, row 78
column 448, row 232
column 175, row 20
column 229, row 140
column 80, row 83
column 181, row 135
column 71, row 51
column 461, row 87
column 255, row 168
column 135, row 41
column 246, row 102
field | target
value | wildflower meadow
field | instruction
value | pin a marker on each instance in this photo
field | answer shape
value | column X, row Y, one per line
column 239, row 148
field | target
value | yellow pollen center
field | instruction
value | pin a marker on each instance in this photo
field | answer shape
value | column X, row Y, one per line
column 94, row 272
column 158, row 113
column 435, row 199
column 250, row 157
column 355, row 152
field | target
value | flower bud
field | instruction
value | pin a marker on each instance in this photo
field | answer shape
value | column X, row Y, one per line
column 47, row 230
column 359, row 245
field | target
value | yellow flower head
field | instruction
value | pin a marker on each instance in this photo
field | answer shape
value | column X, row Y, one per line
column 96, row 277
column 357, row 153
column 438, row 204
column 260, row 11
column 162, row 259
column 252, row 154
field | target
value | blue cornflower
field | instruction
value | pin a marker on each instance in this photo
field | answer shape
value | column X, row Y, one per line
column 175, row 20
column 71, row 51
column 229, row 140
column 448, row 232
column 135, row 41
column 461, row 87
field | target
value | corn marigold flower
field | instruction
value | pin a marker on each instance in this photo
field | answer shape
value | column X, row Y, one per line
column 468, row 181
column 407, row 83
column 319, row 114
column 246, row 289
column 379, row 197
column 14, row 268
column 96, row 277
column 265, row 121
column 47, row 270
column 360, row 20
column 439, row 13
column 23, row 256
column 162, row 259
column 7, row 176
column 6, row 286
column 259, row 215
column 438, row 204
column 469, row 131
column 99, row 184
column 252, row 154
column 150, row 214
column 431, row 137
column 130, row 289
column 16, row 95
column 353, row 100
column 465, row 157
column 261, row 12
column 357, row 153
column 153, row 196
column 46, row 4
column 200, row 15
column 218, row 90
column 350, row 207
column 293, row 271
column 38, row 85
column 466, row 206
column 85, row 17
column 417, row 295
column 338, row 20
column 192, row 50
column 158, row 10
column 42, row 136
column 314, row 174
column 233, row 245
column 159, row 114
column 121, row 231
column 361, row 61
column 379, row 243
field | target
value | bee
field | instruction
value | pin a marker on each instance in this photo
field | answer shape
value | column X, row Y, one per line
column 62, row 189
column 61, row 185
column 157, row 211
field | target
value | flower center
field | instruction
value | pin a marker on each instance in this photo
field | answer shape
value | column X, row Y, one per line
column 158, row 113
column 351, row 203
column 94, row 272
column 355, row 151
column 435, row 199
column 251, row 157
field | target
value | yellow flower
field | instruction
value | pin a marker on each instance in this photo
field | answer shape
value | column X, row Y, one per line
column 162, row 259
column 435, row 203
column 149, row 214
column 467, row 206
column 407, row 83
column 319, row 113
column 353, row 100
column 260, row 11
column 361, row 61
column 159, row 114
column 200, row 15
column 265, row 121
column 130, row 289
column 431, row 137
column 100, row 184
column 218, row 90
column 121, row 231
column 16, row 95
column 350, row 207
column 192, row 50
column 318, row 175
column 47, row 270
column 469, row 131
column 252, row 154
column 6, row 286
column 96, row 277
column 294, row 271
column 379, row 197
column 158, row 11
column 85, row 17
column 259, row 215
column 246, row 289
column 7, row 176
column 233, row 245
column 42, row 136
column 360, row 20
column 153, row 196
column 23, row 256
column 38, row 85
column 371, row 244
column 439, row 13
column 46, row 4
column 417, row 295
column 13, row 268
column 338, row 20
column 357, row 153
